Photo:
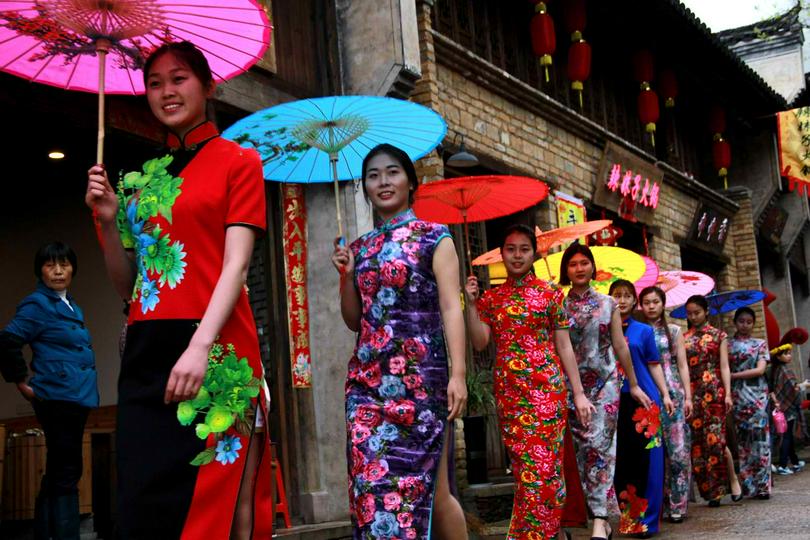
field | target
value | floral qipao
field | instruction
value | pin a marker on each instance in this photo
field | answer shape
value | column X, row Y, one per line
column 531, row 398
column 709, row 413
column 174, row 213
column 677, row 440
column 589, row 317
column 396, row 388
column 751, row 415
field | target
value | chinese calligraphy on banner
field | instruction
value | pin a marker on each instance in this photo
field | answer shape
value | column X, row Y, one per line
column 295, row 269
column 570, row 211
column 793, row 133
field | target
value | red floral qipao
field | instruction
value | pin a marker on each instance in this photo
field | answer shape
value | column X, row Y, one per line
column 708, row 421
column 531, row 398
column 180, row 466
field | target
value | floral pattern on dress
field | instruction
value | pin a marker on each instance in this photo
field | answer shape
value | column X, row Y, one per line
column 677, row 472
column 709, row 412
column 396, row 387
column 531, row 398
column 751, row 417
column 143, row 196
column 633, row 512
column 589, row 317
column 225, row 399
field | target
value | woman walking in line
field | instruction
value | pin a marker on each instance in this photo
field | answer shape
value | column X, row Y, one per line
column 707, row 354
column 177, row 240
column 748, row 358
column 399, row 288
column 597, row 338
column 669, row 340
column 526, row 319
column 639, row 479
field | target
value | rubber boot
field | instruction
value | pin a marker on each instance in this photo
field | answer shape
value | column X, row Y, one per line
column 42, row 517
column 65, row 516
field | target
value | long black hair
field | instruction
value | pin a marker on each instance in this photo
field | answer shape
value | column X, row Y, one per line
column 701, row 301
column 400, row 157
column 658, row 291
column 574, row 249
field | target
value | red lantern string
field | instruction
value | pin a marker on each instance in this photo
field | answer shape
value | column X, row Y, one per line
column 648, row 110
column 544, row 40
column 721, row 149
column 579, row 55
column 668, row 84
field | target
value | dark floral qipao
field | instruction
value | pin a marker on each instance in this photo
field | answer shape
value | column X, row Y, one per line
column 396, row 388
column 708, row 420
column 751, row 415
column 531, row 398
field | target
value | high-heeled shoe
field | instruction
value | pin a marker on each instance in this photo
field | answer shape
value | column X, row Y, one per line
column 609, row 534
column 737, row 498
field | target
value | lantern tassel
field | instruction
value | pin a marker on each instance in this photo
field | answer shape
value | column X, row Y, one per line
column 652, row 138
column 579, row 93
column 545, row 68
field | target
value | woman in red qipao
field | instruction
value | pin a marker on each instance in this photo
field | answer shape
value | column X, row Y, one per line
column 526, row 318
column 177, row 239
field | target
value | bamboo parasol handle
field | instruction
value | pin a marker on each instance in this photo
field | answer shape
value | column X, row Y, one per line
column 102, row 48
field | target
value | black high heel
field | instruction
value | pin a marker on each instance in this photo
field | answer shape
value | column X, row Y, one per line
column 737, row 498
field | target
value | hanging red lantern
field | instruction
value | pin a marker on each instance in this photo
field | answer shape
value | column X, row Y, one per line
column 643, row 66
column 717, row 120
column 544, row 40
column 648, row 110
column 574, row 17
column 721, row 155
column 668, row 85
column 579, row 66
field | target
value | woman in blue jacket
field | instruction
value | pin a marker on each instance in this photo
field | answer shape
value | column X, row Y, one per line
column 62, row 388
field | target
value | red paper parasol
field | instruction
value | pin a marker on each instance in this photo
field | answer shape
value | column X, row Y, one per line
column 65, row 43
column 679, row 285
column 548, row 240
column 476, row 198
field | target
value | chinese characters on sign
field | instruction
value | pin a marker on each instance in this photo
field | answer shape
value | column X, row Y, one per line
column 295, row 266
column 570, row 211
column 633, row 186
column 628, row 184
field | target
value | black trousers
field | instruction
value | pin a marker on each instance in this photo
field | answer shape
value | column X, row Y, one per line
column 63, row 423
column 787, row 452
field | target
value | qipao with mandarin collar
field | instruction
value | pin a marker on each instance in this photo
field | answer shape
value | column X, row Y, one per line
column 751, row 417
column 396, row 387
column 531, row 398
column 677, row 440
column 708, row 422
column 590, row 315
column 180, row 466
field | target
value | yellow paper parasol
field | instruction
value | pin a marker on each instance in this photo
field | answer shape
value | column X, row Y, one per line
column 612, row 263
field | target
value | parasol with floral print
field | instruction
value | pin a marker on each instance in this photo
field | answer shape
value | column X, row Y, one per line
column 65, row 43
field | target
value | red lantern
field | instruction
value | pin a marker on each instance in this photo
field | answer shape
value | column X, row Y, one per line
column 717, row 120
column 574, row 18
column 721, row 155
column 668, row 85
column 643, row 66
column 579, row 66
column 544, row 40
column 648, row 110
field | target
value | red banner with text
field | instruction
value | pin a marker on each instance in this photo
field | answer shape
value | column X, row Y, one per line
column 295, row 270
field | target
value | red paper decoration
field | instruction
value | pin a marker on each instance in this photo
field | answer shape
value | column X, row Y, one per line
column 648, row 111
column 544, row 40
column 574, row 16
column 607, row 236
column 668, row 85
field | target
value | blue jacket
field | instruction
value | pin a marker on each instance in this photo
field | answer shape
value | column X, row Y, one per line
column 63, row 361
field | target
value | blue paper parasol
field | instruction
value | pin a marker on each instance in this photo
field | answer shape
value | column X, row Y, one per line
column 724, row 302
column 326, row 139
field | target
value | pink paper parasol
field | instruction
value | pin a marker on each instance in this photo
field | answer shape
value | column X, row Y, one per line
column 65, row 43
column 679, row 285
column 650, row 276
